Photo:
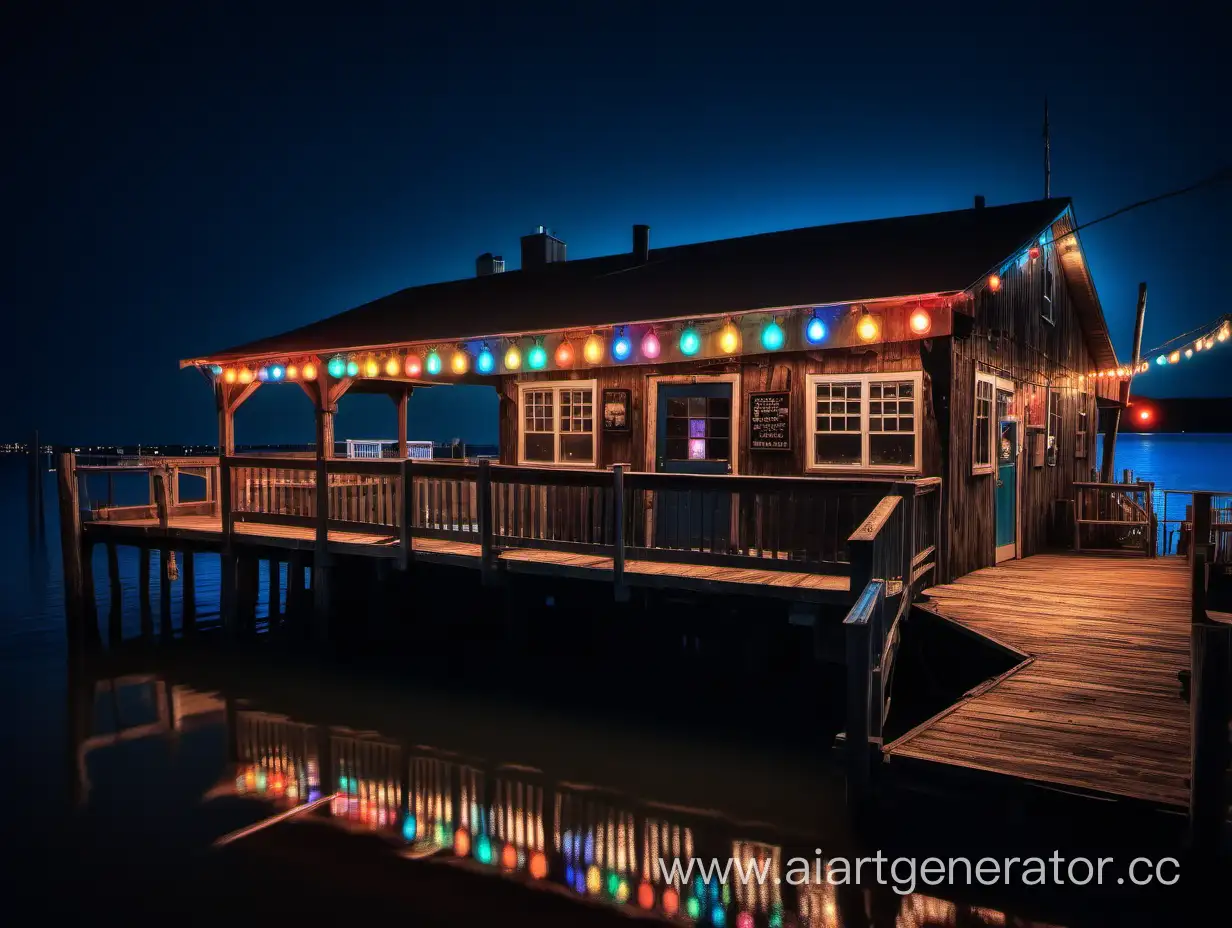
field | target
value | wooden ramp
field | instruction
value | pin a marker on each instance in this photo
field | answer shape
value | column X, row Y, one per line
column 1097, row 704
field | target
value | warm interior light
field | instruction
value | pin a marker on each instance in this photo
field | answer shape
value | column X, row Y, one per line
column 485, row 362
column 412, row 365
column 729, row 339
column 772, row 336
column 564, row 354
column 690, row 342
column 994, row 283
column 513, row 358
column 538, row 358
column 815, row 331
column 650, row 345
column 920, row 322
column 432, row 364
column 592, row 351
column 867, row 328
column 371, row 368
column 460, row 363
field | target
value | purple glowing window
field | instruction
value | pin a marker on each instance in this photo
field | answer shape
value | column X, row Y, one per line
column 697, row 428
column 697, row 449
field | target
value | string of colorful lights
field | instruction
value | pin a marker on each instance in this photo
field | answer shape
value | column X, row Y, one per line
column 759, row 331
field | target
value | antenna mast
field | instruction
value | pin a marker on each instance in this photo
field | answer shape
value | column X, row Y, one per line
column 1047, row 154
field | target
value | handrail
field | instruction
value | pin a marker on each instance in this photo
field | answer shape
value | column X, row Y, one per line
column 872, row 526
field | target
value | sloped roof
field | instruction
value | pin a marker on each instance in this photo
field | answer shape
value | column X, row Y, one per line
column 819, row 265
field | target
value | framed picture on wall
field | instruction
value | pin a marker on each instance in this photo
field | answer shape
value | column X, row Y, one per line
column 616, row 411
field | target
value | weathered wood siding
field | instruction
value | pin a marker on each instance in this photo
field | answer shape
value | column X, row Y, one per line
column 786, row 371
column 1009, row 336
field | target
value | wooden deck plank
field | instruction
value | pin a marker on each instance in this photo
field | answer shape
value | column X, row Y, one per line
column 1099, row 706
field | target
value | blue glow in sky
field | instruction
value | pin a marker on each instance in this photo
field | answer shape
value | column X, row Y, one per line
column 185, row 181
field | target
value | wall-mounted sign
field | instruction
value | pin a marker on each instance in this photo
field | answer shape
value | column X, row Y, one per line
column 616, row 411
column 770, row 421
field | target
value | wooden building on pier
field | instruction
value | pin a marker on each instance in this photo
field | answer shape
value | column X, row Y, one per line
column 966, row 347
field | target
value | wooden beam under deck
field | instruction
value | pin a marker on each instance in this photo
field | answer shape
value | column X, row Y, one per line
column 205, row 533
column 1097, row 706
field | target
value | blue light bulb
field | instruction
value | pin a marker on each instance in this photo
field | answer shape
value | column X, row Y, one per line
column 337, row 367
column 772, row 336
column 815, row 331
column 485, row 362
column 621, row 348
column 690, row 342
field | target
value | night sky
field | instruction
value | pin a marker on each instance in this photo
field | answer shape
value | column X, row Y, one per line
column 182, row 178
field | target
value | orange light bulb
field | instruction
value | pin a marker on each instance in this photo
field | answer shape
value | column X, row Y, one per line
column 994, row 282
column 920, row 322
column 592, row 351
column 309, row 371
column 867, row 328
column 564, row 355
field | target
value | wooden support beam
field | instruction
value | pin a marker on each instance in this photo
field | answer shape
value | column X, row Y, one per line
column 188, row 618
column 247, row 589
column 115, row 632
column 402, row 401
column 406, row 526
column 70, row 544
column 143, row 592
column 321, row 602
column 162, row 504
column 296, row 604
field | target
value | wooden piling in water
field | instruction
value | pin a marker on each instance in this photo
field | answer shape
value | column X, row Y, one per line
column 143, row 591
column 70, row 544
column 296, row 599
column 273, row 570
column 115, row 614
column 247, row 584
column 89, row 610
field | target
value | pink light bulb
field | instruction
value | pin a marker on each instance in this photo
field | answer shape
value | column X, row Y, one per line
column 650, row 345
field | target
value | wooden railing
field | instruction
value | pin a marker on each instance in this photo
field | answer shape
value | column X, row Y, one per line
column 1210, row 689
column 103, row 508
column 1114, row 517
column 893, row 554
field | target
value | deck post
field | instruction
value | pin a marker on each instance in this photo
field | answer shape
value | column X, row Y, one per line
column 401, row 400
column 907, row 492
column 620, row 588
column 70, row 543
column 406, row 535
column 162, row 502
column 295, row 589
column 248, row 579
column 273, row 569
column 320, row 565
column 188, row 619
column 860, row 745
column 483, row 500
column 115, row 632
column 143, row 591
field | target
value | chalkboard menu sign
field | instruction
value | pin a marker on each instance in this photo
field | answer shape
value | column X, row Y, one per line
column 770, row 421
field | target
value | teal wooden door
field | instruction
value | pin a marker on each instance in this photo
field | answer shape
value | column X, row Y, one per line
column 1007, row 491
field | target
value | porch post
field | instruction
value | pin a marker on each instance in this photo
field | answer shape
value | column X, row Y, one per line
column 401, row 400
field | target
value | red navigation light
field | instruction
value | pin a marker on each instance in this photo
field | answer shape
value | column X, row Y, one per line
column 1144, row 416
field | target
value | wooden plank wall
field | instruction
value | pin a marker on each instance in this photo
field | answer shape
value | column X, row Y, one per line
column 1011, row 338
column 785, row 371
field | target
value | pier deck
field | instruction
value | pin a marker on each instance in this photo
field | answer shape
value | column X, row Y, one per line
column 206, row 531
column 1096, row 704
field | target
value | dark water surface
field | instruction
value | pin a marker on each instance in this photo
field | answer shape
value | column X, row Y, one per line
column 123, row 769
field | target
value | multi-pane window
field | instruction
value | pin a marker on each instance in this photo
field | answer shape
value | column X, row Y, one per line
column 1080, row 437
column 698, row 428
column 981, row 440
column 866, row 420
column 558, row 423
column 838, row 435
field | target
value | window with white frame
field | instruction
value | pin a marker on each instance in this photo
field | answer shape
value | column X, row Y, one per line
column 557, row 424
column 864, row 421
column 982, row 438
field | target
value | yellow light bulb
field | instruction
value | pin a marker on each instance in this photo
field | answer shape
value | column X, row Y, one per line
column 371, row 368
column 459, row 363
column 292, row 372
column 309, row 371
column 729, row 339
column 513, row 358
column 246, row 375
column 393, row 366
column 867, row 328
column 592, row 351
